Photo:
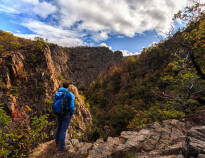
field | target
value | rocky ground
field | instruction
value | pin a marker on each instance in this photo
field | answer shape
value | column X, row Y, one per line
column 170, row 139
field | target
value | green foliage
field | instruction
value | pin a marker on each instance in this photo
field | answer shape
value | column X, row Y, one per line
column 87, row 105
column 39, row 39
column 9, row 42
column 153, row 114
column 163, row 82
column 47, row 101
column 18, row 138
column 4, row 118
column 14, row 90
column 131, row 59
column 40, row 89
column 39, row 45
column 130, row 155
column 8, row 138
column 14, row 45
column 38, row 126
column 33, row 62
column 49, row 105
column 76, row 101
column 61, row 78
column 1, row 48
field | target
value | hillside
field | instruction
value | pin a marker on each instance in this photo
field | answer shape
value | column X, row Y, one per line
column 84, row 64
column 31, row 72
column 166, row 81
column 158, row 96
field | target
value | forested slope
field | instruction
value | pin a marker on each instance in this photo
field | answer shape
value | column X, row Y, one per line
column 165, row 81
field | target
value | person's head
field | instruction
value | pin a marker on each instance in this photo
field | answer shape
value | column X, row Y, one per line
column 66, row 84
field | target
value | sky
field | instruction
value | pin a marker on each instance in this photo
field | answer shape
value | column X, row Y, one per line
column 127, row 25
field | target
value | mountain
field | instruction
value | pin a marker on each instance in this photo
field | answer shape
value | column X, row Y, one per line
column 158, row 96
column 166, row 81
column 31, row 72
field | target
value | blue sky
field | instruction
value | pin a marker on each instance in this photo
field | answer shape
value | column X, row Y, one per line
column 127, row 25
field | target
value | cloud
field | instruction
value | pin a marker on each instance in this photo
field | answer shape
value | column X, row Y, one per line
column 27, row 36
column 105, row 45
column 124, row 52
column 120, row 16
column 100, row 36
column 44, row 9
column 76, row 20
column 29, row 7
column 53, row 33
column 7, row 9
column 120, row 36
column 127, row 53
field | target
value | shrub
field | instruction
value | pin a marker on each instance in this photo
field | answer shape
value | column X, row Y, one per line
column 153, row 114
column 38, row 128
column 4, row 118
column 39, row 45
column 1, row 48
column 49, row 105
column 61, row 78
column 14, row 45
column 40, row 89
column 7, row 136
column 14, row 90
column 16, row 140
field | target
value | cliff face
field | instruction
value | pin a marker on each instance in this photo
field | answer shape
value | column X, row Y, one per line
column 82, row 65
column 29, row 78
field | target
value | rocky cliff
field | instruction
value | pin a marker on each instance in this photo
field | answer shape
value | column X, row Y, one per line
column 169, row 139
column 29, row 78
column 82, row 65
column 25, row 85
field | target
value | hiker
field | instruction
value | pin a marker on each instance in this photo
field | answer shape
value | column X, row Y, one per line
column 63, row 107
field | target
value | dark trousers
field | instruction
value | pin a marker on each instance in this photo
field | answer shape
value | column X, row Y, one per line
column 63, row 122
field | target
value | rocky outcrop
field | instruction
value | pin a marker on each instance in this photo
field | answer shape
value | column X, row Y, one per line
column 11, row 66
column 196, row 142
column 51, row 68
column 82, row 65
column 170, row 139
column 29, row 78
column 82, row 118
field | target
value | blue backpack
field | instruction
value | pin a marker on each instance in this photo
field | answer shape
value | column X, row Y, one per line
column 61, row 104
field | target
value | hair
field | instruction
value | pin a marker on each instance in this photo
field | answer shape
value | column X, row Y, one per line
column 66, row 84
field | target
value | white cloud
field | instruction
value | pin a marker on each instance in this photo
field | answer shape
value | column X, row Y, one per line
column 97, row 18
column 100, row 36
column 120, row 16
column 53, row 34
column 34, row 2
column 29, row 7
column 127, row 53
column 120, row 36
column 27, row 36
column 124, row 52
column 44, row 9
column 105, row 45
column 7, row 9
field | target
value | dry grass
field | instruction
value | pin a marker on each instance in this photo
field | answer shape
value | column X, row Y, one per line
column 49, row 150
